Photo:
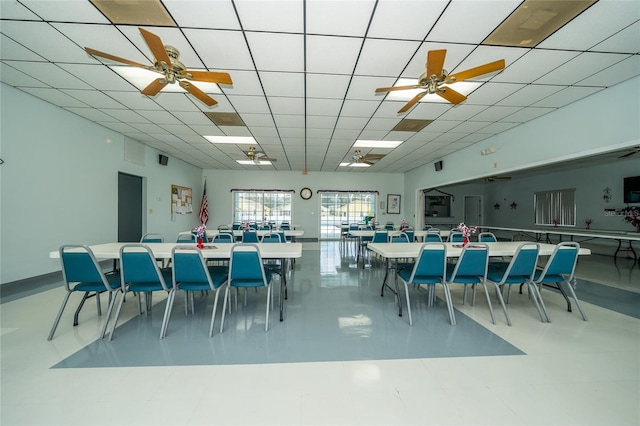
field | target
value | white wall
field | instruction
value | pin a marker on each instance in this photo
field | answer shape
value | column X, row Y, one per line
column 602, row 122
column 306, row 213
column 59, row 184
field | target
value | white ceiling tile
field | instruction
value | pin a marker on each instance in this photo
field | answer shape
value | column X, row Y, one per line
column 462, row 112
column 595, row 24
column 355, row 108
column 327, row 85
column 566, row 96
column 271, row 15
column 12, row 50
column 580, row 67
column 385, row 57
column 615, row 74
column 16, row 78
column 220, row 50
column 277, row 52
column 495, row 113
column 249, row 104
column 407, row 20
column 468, row 21
column 50, row 73
column 335, row 55
column 625, row 41
column 491, row 93
column 533, row 65
column 529, row 95
column 282, row 84
column 214, row 14
column 81, row 11
column 327, row 107
column 351, row 20
column 282, row 106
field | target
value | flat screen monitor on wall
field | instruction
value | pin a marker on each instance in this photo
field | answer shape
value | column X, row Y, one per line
column 632, row 189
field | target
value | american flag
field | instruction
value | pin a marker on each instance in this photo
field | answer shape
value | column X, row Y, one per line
column 204, row 206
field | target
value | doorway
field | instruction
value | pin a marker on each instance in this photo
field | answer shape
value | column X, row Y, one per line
column 130, row 208
column 473, row 210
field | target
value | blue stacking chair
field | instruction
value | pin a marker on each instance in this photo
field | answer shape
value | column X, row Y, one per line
column 487, row 237
column 471, row 269
column 432, row 237
column 389, row 226
column 139, row 273
column 223, row 237
column 191, row 273
column 455, row 237
column 559, row 270
column 519, row 270
column 185, row 237
column 81, row 272
column 399, row 237
column 152, row 237
column 246, row 270
column 250, row 236
column 429, row 269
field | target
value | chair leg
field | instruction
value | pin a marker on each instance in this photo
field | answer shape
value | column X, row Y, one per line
column 575, row 298
column 225, row 301
column 447, row 296
column 486, row 293
column 213, row 316
column 112, row 302
column 167, row 313
column 115, row 320
column 85, row 296
column 57, row 320
column 501, row 299
column 535, row 294
column 266, row 325
column 406, row 292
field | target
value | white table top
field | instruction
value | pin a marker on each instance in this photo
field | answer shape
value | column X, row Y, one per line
column 500, row 248
column 211, row 251
column 613, row 235
column 419, row 233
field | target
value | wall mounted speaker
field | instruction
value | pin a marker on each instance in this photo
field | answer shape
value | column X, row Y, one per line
column 163, row 159
column 438, row 165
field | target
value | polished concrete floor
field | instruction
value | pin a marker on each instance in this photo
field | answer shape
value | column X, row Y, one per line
column 342, row 356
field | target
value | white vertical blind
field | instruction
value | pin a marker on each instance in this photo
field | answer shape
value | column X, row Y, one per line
column 555, row 207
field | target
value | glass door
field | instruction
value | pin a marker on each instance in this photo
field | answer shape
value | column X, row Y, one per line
column 338, row 208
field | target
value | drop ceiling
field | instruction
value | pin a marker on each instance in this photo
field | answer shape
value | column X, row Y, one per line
column 305, row 73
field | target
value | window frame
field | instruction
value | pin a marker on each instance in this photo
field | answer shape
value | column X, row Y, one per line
column 555, row 207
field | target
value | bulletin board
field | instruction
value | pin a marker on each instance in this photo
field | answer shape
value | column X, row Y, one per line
column 181, row 200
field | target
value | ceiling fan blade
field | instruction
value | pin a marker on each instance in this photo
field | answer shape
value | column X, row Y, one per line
column 94, row 52
column 435, row 62
column 370, row 157
column 273, row 160
column 207, row 76
column 368, row 162
column 451, row 95
column 157, row 47
column 206, row 99
column 391, row 89
column 156, row 86
column 474, row 72
column 412, row 102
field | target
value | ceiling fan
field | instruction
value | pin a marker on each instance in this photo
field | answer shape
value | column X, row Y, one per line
column 433, row 80
column 366, row 159
column 172, row 70
column 257, row 156
column 632, row 152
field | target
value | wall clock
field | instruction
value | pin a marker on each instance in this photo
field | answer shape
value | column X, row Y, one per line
column 306, row 193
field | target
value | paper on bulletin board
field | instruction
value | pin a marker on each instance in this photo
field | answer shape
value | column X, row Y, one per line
column 181, row 200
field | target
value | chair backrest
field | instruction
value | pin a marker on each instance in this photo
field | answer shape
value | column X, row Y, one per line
column 472, row 263
column 152, row 237
column 250, row 236
column 562, row 261
column 389, row 226
column 436, row 230
column 80, row 265
column 189, row 266
column 431, row 262
column 455, row 237
column 236, row 226
column 487, row 237
column 285, row 226
column 265, row 227
column 224, row 228
column 245, row 266
column 354, row 227
column 271, row 238
column 426, row 227
column 432, row 237
column 223, row 237
column 410, row 234
column 522, row 266
column 185, row 237
column 138, row 265
column 399, row 237
column 380, row 237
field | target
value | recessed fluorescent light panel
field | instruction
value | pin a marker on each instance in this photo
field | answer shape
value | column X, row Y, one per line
column 463, row 87
column 254, row 163
column 361, row 143
column 238, row 140
column 354, row 165
column 535, row 20
column 141, row 78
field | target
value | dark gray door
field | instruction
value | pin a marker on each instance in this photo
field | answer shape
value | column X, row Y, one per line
column 129, row 208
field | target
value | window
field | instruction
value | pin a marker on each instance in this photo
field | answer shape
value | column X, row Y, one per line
column 557, row 207
column 261, row 206
column 338, row 207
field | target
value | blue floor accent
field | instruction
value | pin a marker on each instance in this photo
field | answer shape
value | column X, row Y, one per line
column 615, row 299
column 334, row 313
